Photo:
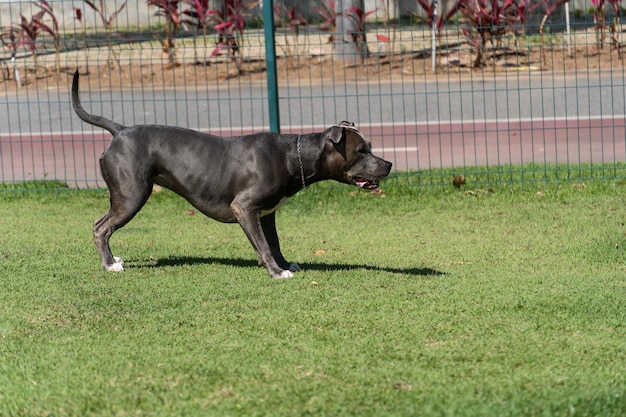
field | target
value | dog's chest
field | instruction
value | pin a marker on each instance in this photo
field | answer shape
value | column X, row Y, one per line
column 281, row 203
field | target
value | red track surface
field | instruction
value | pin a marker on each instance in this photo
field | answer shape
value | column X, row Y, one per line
column 73, row 157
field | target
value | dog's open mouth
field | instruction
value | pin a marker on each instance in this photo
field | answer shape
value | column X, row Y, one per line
column 366, row 184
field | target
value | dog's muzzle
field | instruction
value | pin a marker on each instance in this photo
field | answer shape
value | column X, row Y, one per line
column 365, row 184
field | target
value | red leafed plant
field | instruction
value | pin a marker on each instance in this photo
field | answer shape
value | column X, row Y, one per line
column 229, row 25
column 197, row 17
column 53, row 29
column 359, row 16
column 292, row 20
column 78, row 15
column 616, row 28
column 329, row 16
column 599, row 20
column 489, row 20
column 431, row 12
column 170, row 10
column 107, row 22
column 428, row 6
column 356, row 29
column 12, row 38
column 29, row 32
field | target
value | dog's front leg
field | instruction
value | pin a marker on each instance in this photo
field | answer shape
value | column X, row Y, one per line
column 268, row 223
column 250, row 222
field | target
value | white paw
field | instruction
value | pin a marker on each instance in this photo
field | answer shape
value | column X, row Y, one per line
column 294, row 267
column 116, row 267
column 284, row 274
column 118, row 260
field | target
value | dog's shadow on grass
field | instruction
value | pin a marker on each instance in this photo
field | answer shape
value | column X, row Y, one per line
column 247, row 263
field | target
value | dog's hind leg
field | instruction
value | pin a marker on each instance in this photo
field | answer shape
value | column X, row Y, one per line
column 120, row 213
column 101, row 234
column 126, row 201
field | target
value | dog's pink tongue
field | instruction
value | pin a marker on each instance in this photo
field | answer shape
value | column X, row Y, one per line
column 361, row 183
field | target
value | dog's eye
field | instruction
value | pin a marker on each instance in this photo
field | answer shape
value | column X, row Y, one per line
column 363, row 150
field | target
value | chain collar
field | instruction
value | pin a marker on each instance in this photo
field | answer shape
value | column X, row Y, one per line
column 299, row 150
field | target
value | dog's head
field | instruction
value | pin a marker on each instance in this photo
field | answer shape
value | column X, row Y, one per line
column 350, row 159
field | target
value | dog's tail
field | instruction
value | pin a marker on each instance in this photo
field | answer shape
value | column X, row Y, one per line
column 99, row 121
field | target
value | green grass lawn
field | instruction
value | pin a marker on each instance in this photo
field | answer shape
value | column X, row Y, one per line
column 418, row 303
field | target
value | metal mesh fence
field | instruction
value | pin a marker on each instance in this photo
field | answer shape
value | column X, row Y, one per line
column 507, row 101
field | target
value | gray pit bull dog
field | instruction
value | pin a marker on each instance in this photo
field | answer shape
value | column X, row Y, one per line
column 240, row 179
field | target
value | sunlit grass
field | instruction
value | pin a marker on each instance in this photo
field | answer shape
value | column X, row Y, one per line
column 422, row 301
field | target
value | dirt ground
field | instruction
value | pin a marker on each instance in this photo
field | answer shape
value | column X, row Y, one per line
column 151, row 66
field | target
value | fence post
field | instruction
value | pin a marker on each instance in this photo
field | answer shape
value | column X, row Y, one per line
column 270, row 62
column 434, row 36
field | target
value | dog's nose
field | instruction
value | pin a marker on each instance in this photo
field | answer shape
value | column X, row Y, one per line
column 388, row 166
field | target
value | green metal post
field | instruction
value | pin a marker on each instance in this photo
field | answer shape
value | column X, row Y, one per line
column 270, row 62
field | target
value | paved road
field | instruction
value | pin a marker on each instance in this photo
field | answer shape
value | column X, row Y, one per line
column 451, row 122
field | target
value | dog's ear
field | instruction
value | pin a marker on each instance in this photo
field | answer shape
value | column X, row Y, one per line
column 334, row 133
column 346, row 124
